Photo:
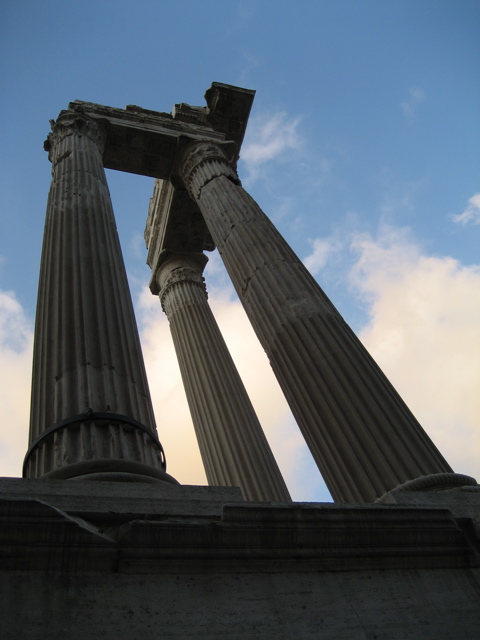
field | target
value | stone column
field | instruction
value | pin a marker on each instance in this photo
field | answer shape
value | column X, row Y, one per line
column 91, row 414
column 362, row 435
column 233, row 446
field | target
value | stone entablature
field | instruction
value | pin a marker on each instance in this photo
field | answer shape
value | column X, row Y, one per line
column 174, row 226
column 146, row 142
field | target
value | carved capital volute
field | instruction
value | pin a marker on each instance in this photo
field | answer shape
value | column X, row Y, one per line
column 200, row 161
column 68, row 124
column 180, row 269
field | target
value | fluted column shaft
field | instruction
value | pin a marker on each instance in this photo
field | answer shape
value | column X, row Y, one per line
column 91, row 410
column 362, row 435
column 233, row 446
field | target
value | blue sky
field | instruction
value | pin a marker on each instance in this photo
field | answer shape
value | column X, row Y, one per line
column 363, row 148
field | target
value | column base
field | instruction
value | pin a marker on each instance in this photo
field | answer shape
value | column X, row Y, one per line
column 108, row 470
column 434, row 482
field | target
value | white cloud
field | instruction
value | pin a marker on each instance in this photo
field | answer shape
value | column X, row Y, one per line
column 268, row 138
column 416, row 96
column 424, row 331
column 16, row 344
column 471, row 212
column 322, row 250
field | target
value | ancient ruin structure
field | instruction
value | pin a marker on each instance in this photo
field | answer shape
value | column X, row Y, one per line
column 131, row 552
column 362, row 436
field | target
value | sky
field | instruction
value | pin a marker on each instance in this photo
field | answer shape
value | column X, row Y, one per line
column 363, row 147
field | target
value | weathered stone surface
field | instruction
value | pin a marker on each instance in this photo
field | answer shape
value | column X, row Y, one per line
column 152, row 526
column 365, row 605
column 93, row 500
column 463, row 501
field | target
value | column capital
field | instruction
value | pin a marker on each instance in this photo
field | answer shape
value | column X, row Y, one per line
column 68, row 124
column 199, row 161
column 181, row 268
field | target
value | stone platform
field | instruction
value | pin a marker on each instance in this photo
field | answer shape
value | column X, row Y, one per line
column 121, row 560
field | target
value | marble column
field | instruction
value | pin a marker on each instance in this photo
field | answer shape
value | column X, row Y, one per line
column 233, row 446
column 362, row 435
column 91, row 413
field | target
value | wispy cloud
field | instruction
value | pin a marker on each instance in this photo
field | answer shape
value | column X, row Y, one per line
column 415, row 97
column 268, row 139
column 471, row 212
column 248, row 64
column 322, row 251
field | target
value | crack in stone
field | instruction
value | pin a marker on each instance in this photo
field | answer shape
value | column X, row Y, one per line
column 236, row 181
column 247, row 281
